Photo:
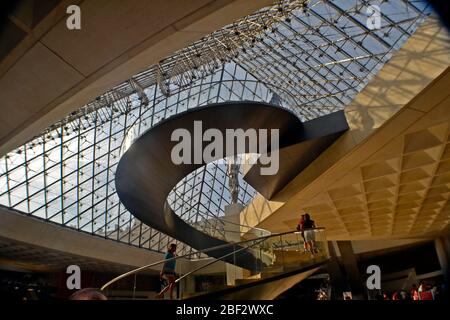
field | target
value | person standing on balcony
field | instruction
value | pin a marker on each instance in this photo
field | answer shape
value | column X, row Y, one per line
column 309, row 233
column 168, row 271
column 300, row 228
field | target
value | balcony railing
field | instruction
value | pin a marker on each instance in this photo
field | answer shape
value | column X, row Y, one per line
column 244, row 262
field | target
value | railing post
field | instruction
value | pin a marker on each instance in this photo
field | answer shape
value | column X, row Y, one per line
column 299, row 248
column 260, row 261
column 282, row 251
column 235, row 267
column 134, row 286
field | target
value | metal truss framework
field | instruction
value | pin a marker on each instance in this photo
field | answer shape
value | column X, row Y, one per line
column 314, row 56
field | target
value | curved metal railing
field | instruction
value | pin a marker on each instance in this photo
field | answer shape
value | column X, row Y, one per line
column 274, row 253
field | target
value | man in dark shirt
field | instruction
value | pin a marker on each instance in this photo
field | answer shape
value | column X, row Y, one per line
column 309, row 233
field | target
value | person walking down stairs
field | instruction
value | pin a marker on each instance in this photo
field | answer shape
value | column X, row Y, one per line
column 168, row 272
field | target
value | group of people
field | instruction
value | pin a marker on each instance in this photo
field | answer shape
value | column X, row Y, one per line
column 422, row 292
column 306, row 226
column 168, row 275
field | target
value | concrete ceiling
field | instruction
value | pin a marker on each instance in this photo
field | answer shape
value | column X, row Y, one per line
column 19, row 256
column 389, row 175
column 31, row 244
column 53, row 70
column 34, row 243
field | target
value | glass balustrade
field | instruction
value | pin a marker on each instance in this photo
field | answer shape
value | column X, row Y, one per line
column 223, row 229
column 240, row 263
